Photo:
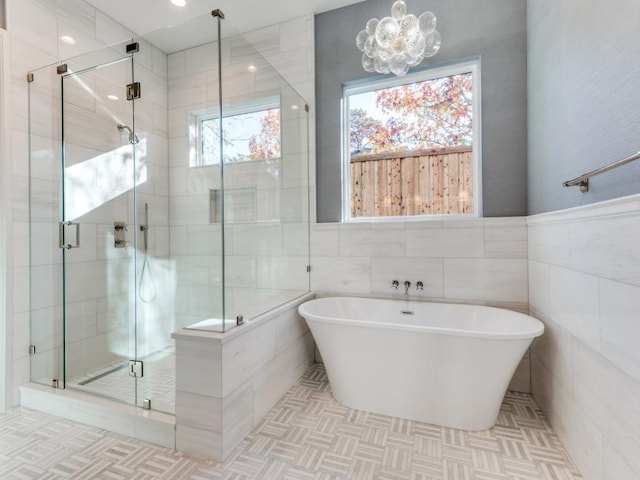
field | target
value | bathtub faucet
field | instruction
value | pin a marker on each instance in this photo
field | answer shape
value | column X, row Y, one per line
column 407, row 284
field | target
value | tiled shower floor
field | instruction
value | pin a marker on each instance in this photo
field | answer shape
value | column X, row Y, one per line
column 158, row 383
column 307, row 435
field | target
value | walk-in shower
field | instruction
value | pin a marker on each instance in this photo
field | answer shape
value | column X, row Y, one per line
column 168, row 189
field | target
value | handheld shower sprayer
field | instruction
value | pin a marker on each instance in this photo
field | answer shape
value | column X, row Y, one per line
column 133, row 138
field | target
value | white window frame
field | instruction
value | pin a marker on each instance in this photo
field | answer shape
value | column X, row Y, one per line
column 200, row 116
column 445, row 70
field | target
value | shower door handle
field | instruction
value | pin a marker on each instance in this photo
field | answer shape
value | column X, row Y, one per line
column 62, row 227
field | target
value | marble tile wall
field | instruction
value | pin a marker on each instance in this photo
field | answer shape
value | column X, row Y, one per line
column 584, row 283
column 267, row 256
column 472, row 260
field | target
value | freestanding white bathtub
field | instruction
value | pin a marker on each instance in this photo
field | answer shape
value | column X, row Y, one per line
column 439, row 363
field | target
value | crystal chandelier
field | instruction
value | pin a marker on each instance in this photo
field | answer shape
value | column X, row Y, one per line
column 399, row 42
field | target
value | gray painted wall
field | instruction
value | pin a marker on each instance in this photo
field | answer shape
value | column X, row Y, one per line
column 584, row 99
column 495, row 30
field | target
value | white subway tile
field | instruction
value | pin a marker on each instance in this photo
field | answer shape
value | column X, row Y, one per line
column 615, row 465
column 108, row 31
column 34, row 26
column 610, row 399
column 360, row 240
column 620, row 325
column 341, row 274
column 550, row 243
column 198, row 368
column 243, row 355
column 199, row 411
column 325, row 240
column 486, row 279
column 539, row 288
column 607, row 247
column 199, row 441
column 447, row 242
column 574, row 304
column 553, row 349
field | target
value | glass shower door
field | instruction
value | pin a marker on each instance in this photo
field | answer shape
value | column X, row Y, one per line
column 97, row 230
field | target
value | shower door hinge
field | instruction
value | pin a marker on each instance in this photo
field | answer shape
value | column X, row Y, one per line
column 55, row 383
column 32, row 349
column 133, row 47
column 136, row 369
column 308, row 268
column 60, row 69
column 306, row 107
column 30, row 77
column 133, row 91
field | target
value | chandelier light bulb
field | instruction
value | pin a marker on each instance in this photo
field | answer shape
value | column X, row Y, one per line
column 396, row 43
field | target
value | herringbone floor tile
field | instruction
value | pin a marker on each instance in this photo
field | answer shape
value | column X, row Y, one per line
column 306, row 436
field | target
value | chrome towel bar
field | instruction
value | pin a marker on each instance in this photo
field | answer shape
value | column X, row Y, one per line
column 583, row 180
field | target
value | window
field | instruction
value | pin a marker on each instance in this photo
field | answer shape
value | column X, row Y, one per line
column 412, row 145
column 250, row 131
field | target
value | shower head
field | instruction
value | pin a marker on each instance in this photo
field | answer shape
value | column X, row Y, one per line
column 133, row 138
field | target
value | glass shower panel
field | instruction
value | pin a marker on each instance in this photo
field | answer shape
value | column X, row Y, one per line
column 195, row 194
column 265, row 152
column 100, row 176
column 45, row 268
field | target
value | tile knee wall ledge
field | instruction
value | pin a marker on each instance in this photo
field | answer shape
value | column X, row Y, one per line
column 226, row 383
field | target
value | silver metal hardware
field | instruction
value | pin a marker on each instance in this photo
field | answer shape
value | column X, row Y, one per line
column 133, row 47
column 306, row 107
column 133, row 138
column 32, row 349
column 146, row 404
column 239, row 320
column 583, row 180
column 218, row 13
column 308, row 268
column 395, row 284
column 55, row 383
column 136, row 368
column 60, row 69
column 133, row 90
column 119, row 235
column 419, row 285
column 407, row 284
column 62, row 235
column 29, row 77
column 407, row 312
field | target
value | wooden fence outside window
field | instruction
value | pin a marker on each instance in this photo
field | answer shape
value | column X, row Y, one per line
column 422, row 182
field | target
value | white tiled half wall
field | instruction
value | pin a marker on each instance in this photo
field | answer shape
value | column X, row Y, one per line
column 584, row 283
column 226, row 383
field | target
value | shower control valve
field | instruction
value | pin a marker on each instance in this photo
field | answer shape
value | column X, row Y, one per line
column 119, row 238
column 395, row 284
column 419, row 285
